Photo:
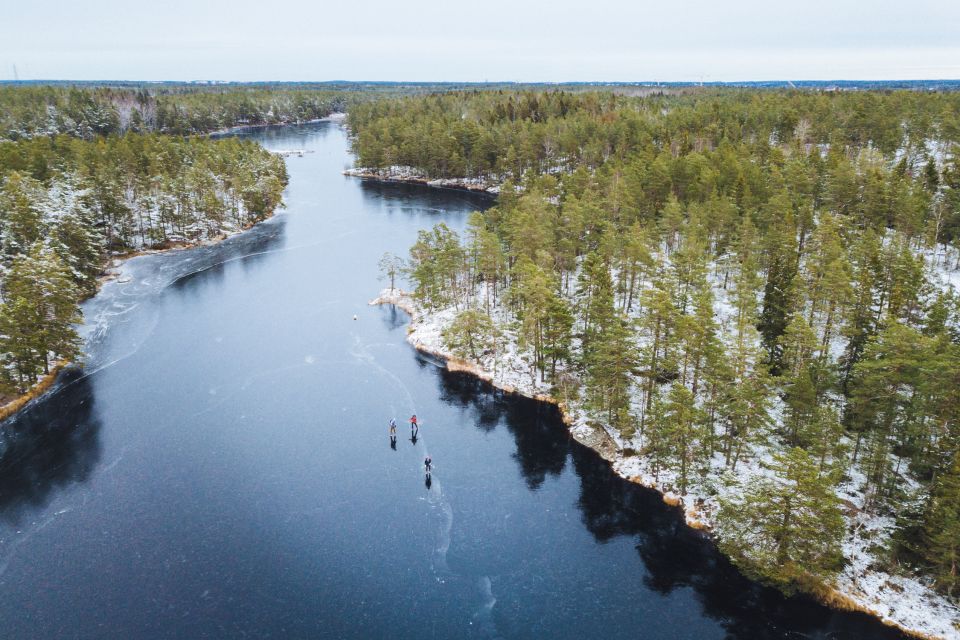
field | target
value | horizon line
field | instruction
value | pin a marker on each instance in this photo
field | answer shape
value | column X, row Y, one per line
column 653, row 83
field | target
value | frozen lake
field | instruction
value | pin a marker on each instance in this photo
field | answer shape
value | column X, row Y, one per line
column 223, row 469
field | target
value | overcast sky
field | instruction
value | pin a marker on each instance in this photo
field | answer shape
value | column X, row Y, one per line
column 476, row 40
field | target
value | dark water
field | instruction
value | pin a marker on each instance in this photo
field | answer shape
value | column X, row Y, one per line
column 222, row 469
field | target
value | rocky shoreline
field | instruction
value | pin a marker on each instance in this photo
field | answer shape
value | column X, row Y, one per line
column 409, row 175
column 336, row 116
column 916, row 610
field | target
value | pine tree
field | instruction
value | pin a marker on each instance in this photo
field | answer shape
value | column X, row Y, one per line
column 688, row 267
column 827, row 275
column 698, row 336
column 38, row 314
column 557, row 333
column 671, row 222
column 595, row 289
column 861, row 323
column 681, row 424
column 822, row 436
column 390, row 267
column 800, row 376
column 489, row 259
column 609, row 367
column 21, row 219
column 658, row 356
column 21, row 346
column 527, row 227
column 787, row 527
column 842, row 189
column 471, row 334
column 746, row 284
column 436, row 266
column 778, row 293
column 422, row 270
column 941, row 531
column 745, row 408
column 532, row 291
column 885, row 386
column 636, row 263
column 75, row 238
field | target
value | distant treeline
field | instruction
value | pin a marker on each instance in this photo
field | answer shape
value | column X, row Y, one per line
column 691, row 145
column 476, row 133
column 30, row 111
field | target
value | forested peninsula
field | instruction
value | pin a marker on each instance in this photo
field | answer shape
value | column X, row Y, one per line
column 85, row 180
column 747, row 299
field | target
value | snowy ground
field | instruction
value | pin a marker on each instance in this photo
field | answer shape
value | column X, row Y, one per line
column 943, row 266
column 901, row 601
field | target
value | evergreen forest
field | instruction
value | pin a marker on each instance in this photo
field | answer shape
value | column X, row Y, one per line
column 754, row 291
column 82, row 181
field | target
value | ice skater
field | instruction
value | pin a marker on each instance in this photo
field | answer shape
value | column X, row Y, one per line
column 414, row 427
column 428, row 465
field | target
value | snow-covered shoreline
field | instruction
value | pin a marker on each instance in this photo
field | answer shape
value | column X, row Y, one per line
column 113, row 270
column 336, row 116
column 409, row 175
column 898, row 601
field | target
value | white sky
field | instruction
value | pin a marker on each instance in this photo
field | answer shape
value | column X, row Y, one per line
column 559, row 40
